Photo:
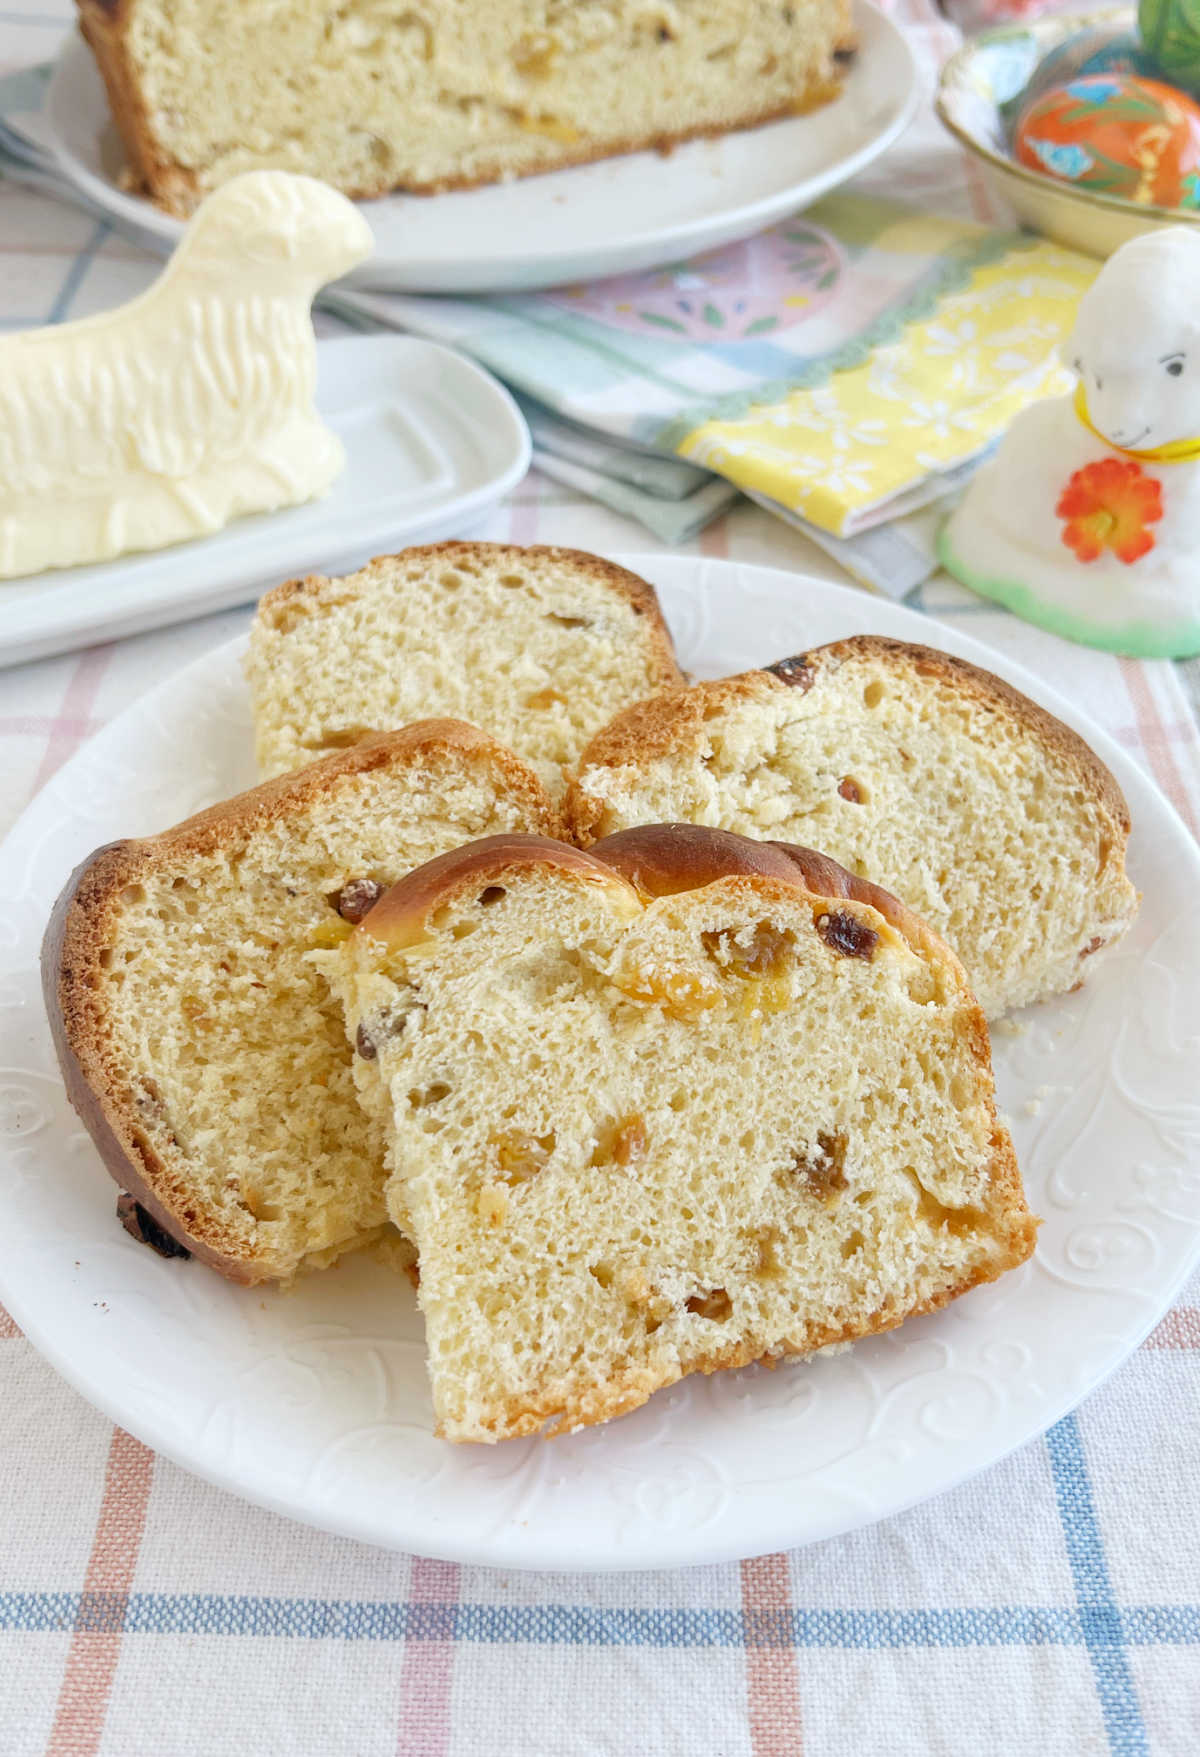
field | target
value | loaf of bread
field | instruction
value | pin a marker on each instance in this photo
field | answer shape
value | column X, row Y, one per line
column 990, row 818
column 442, row 93
column 539, row 646
column 196, row 1033
column 681, row 1103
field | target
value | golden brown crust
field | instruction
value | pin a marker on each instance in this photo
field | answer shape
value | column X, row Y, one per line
column 567, row 157
column 279, row 608
column 80, row 932
column 653, row 860
column 177, row 190
column 401, row 917
column 102, row 25
column 673, row 721
column 670, row 721
column 72, row 949
column 661, row 860
column 276, row 799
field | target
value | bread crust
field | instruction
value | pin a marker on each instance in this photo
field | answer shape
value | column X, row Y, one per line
column 177, row 190
column 401, row 918
column 674, row 720
column 651, row 860
column 660, row 860
column 315, row 592
column 684, row 857
column 79, row 932
column 102, row 25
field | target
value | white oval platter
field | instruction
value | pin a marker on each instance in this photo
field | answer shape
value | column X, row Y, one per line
column 315, row 1403
column 614, row 217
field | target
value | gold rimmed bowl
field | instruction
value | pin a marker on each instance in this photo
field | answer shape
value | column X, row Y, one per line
column 977, row 93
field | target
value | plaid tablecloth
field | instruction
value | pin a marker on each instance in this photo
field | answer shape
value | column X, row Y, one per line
column 1050, row 1607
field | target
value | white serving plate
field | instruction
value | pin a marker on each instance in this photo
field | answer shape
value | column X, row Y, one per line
column 609, row 218
column 315, row 1403
column 432, row 442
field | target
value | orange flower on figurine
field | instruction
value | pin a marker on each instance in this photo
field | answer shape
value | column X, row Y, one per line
column 1108, row 505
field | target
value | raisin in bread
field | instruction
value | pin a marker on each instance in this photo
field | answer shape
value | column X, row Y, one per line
column 431, row 96
column 681, row 1103
column 539, row 646
column 990, row 818
column 198, row 1038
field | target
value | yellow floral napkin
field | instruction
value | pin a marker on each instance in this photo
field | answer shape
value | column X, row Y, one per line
column 879, row 438
column 841, row 366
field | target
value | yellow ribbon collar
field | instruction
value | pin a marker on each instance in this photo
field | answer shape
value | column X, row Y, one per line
column 1179, row 451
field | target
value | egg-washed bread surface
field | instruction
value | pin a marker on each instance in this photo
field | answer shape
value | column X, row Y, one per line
column 989, row 817
column 539, row 646
column 196, row 1032
column 444, row 93
column 678, row 1104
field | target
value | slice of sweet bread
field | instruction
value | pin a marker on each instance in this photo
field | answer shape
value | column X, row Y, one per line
column 373, row 95
column 988, row 816
column 539, row 646
column 681, row 1103
column 196, row 1033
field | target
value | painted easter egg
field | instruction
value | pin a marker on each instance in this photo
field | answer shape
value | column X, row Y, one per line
column 1100, row 49
column 1170, row 30
column 1118, row 135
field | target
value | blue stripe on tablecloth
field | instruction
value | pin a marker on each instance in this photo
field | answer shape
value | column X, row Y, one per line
column 150, row 1613
column 917, row 600
column 1099, row 1612
column 73, row 279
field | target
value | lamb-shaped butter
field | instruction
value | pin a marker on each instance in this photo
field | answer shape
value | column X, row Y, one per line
column 192, row 404
column 1087, row 520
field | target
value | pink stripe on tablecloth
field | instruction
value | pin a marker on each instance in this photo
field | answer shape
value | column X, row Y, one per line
column 8, row 1326
column 772, row 1680
column 1157, row 741
column 1179, row 1329
column 1178, row 731
column 96, row 1644
column 42, row 725
column 523, row 513
column 945, row 38
column 982, row 208
column 427, row 1672
column 714, row 539
column 77, row 703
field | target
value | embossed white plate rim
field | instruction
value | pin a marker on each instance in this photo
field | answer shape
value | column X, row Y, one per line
column 643, row 1492
column 509, row 237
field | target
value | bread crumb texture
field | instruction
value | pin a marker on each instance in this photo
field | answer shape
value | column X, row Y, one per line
column 192, row 994
column 986, row 815
column 372, row 95
column 539, row 646
column 639, row 1137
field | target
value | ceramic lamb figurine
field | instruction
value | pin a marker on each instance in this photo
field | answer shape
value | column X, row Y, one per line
column 1087, row 520
column 192, row 404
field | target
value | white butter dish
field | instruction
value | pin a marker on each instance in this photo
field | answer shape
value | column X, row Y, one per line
column 432, row 442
